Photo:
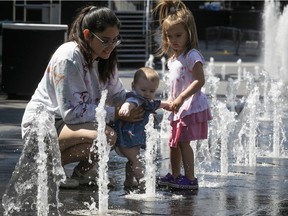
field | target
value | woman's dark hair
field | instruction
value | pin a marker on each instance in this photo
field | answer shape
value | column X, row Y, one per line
column 96, row 19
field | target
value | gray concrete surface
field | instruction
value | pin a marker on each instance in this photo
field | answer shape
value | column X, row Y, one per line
column 259, row 190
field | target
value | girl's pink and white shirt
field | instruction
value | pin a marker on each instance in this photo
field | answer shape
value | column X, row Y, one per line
column 180, row 75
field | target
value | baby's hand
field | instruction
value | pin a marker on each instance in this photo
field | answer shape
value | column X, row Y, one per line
column 124, row 110
column 167, row 105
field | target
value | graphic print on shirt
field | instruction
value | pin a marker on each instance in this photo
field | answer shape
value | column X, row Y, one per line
column 58, row 77
column 178, row 78
column 82, row 103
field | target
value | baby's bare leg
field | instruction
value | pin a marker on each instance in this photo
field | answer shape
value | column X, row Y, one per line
column 133, row 155
column 129, row 176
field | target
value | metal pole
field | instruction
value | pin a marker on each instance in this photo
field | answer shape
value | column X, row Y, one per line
column 109, row 4
column 50, row 11
column 59, row 10
column 14, row 10
column 24, row 11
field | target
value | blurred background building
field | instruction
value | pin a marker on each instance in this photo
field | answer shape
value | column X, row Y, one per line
column 238, row 22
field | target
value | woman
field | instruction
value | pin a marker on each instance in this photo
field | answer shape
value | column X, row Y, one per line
column 72, row 84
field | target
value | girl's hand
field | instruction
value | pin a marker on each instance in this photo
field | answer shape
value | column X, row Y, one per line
column 177, row 103
column 167, row 105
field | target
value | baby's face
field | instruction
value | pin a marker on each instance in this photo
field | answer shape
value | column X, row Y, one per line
column 146, row 88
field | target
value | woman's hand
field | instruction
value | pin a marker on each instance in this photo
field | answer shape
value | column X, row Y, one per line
column 136, row 114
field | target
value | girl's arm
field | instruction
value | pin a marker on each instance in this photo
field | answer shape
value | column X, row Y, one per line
column 199, row 81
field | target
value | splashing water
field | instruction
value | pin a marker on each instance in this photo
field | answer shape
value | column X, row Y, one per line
column 277, row 119
column 253, row 125
column 103, row 150
column 150, row 61
column 239, row 71
column 34, row 186
column 227, row 120
column 282, row 44
column 270, row 25
column 223, row 72
column 150, row 155
column 248, row 132
column 231, row 94
column 276, row 71
column 264, row 90
column 163, row 63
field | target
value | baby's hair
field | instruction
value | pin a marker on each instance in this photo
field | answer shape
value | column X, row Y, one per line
column 146, row 73
column 172, row 12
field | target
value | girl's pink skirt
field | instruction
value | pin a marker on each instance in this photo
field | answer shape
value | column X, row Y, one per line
column 191, row 127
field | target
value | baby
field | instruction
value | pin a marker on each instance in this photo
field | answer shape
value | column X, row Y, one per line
column 131, row 136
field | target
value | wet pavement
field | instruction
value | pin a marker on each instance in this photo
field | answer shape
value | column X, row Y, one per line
column 244, row 190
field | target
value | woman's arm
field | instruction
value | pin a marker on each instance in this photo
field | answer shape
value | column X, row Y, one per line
column 73, row 99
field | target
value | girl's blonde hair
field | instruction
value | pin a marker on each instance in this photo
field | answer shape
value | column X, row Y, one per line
column 171, row 12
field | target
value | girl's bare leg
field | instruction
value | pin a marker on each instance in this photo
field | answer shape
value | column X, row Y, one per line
column 175, row 161
column 188, row 159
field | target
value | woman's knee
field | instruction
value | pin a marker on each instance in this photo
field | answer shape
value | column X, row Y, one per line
column 71, row 135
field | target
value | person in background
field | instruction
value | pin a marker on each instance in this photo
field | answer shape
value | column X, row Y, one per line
column 190, row 111
column 131, row 136
column 71, row 89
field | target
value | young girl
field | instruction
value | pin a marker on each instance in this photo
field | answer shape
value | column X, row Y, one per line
column 131, row 136
column 189, row 106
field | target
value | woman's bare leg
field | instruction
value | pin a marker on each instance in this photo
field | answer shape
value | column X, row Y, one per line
column 75, row 142
column 78, row 153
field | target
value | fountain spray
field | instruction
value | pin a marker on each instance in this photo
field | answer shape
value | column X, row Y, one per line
column 34, row 186
column 103, row 150
column 150, row 155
